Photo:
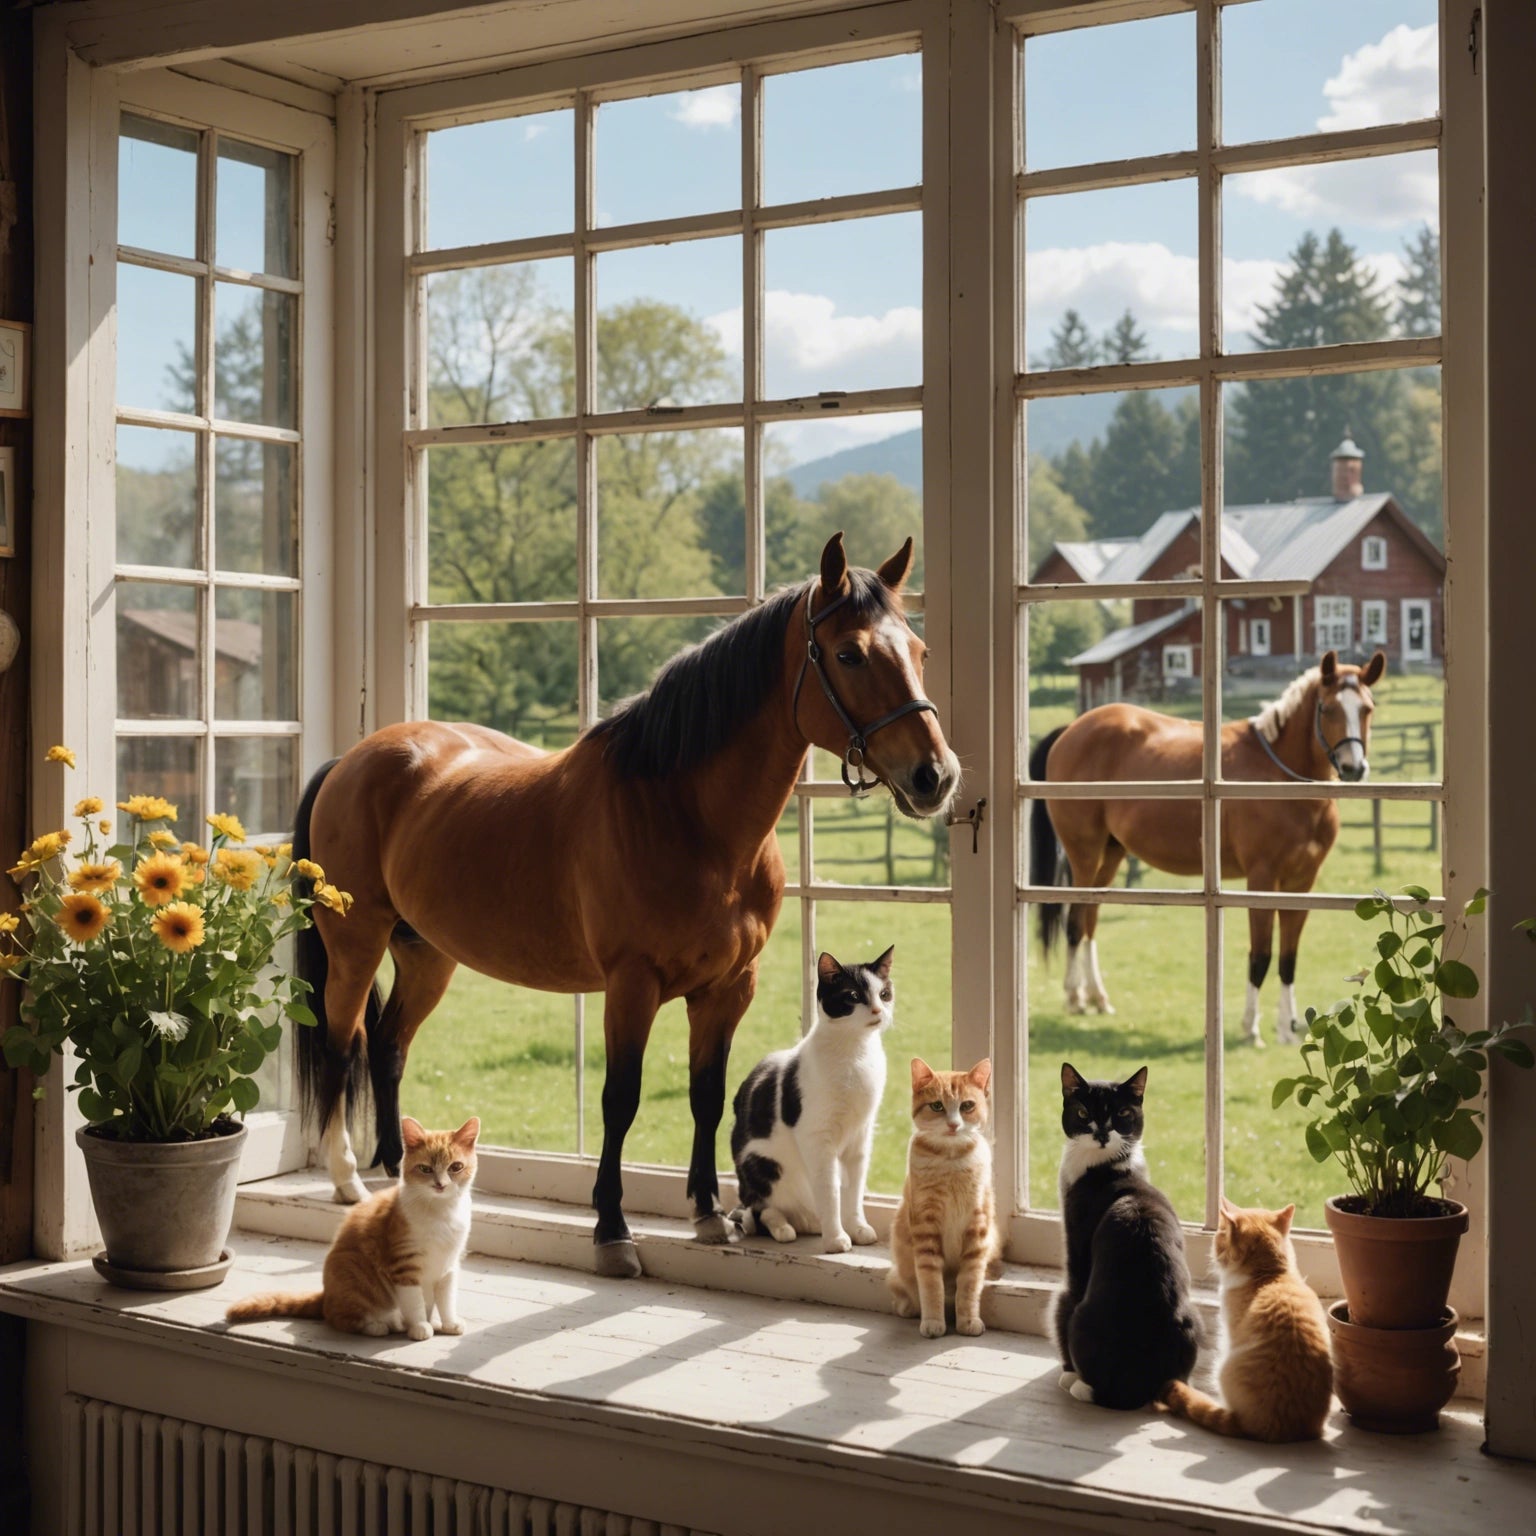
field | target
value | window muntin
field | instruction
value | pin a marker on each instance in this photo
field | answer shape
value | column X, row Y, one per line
column 1178, row 661
column 1373, row 553
column 1258, row 637
column 1373, row 622
column 1331, row 623
column 208, row 590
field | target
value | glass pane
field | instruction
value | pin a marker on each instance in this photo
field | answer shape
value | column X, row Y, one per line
column 868, row 842
column 254, row 354
column 255, row 777
column 156, row 498
column 256, row 671
column 506, row 1054
column 843, row 306
column 1317, row 254
column 1114, row 488
column 255, row 528
column 1112, row 276
column 501, row 523
column 156, row 339
column 789, row 841
column 920, row 976
column 532, row 192
column 157, row 187
column 861, row 474
column 255, row 209
column 520, row 679
column 1150, row 962
column 168, row 766
column 662, row 157
column 1109, row 93
column 669, row 325
column 501, row 343
column 1300, row 66
column 842, row 129
column 630, row 652
column 669, row 514
column 159, row 652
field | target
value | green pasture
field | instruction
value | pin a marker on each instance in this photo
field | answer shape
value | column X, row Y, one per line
column 510, row 1055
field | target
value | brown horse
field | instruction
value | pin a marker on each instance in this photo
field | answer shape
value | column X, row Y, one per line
column 1318, row 728
column 642, row 859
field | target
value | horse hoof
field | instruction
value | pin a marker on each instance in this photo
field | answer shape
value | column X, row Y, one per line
column 1103, row 1005
column 714, row 1229
column 618, row 1260
column 1074, row 1006
column 1256, row 1041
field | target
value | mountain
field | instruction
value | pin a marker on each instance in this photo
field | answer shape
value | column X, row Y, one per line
column 1053, row 425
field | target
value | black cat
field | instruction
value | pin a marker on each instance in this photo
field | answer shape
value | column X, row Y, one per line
column 1124, row 1323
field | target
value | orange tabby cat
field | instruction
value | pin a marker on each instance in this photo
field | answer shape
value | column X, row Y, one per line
column 397, row 1253
column 1277, row 1375
column 945, row 1234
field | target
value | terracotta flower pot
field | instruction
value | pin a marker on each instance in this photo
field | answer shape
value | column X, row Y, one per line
column 164, row 1208
column 1396, row 1270
column 1394, row 1380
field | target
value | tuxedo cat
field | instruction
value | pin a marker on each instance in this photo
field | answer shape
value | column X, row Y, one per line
column 805, row 1116
column 1124, row 1323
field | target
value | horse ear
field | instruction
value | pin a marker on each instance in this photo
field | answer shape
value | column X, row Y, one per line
column 1329, row 666
column 1071, row 1078
column 413, row 1131
column 921, row 1072
column 834, row 568
column 468, row 1133
column 895, row 571
column 826, row 966
column 882, row 966
column 1374, row 669
column 981, row 1073
column 1137, row 1084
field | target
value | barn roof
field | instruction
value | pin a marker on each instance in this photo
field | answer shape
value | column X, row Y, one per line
column 1119, row 641
column 1088, row 557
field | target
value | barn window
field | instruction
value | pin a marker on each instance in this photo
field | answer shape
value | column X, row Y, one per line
column 1258, row 637
column 1331, row 622
column 1178, row 661
column 1373, row 622
column 1373, row 553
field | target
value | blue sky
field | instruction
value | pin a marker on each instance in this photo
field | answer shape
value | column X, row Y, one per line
column 844, row 300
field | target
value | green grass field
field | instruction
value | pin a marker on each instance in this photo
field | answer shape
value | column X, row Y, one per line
column 509, row 1055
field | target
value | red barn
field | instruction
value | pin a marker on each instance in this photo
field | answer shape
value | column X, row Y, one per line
column 1359, row 576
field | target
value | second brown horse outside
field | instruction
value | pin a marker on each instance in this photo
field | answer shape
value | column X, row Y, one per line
column 642, row 860
column 1318, row 728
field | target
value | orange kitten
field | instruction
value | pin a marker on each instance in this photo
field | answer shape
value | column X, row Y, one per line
column 1277, row 1374
column 945, row 1235
column 397, row 1253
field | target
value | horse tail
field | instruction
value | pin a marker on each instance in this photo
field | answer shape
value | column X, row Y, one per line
column 322, row 1080
column 1044, row 845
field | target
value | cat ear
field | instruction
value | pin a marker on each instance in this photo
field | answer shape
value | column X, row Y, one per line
column 1071, row 1079
column 826, row 966
column 1283, row 1220
column 468, row 1133
column 882, row 966
column 921, row 1072
column 1228, row 1210
column 414, row 1132
column 1136, row 1085
column 981, row 1073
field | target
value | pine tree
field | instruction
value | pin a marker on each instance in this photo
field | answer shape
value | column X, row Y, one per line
column 1142, row 468
column 1418, row 290
column 1072, row 344
column 1123, row 342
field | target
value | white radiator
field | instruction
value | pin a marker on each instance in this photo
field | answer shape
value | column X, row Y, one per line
column 137, row 1474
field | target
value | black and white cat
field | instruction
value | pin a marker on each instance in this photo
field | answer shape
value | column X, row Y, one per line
column 805, row 1117
column 1124, row 1323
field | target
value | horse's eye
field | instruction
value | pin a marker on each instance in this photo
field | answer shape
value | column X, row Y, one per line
column 851, row 658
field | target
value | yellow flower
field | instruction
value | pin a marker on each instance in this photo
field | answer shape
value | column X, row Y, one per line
column 193, row 854
column 105, row 826
column 179, row 927
column 95, row 877
column 43, row 848
column 148, row 808
column 281, row 898
column 238, row 868
column 160, row 878
column 285, row 850
column 160, row 838
column 309, row 869
column 227, row 826
column 82, row 917
column 329, row 896
column 60, row 755
column 9, row 922
column 197, row 874
column 90, row 806
column 10, row 962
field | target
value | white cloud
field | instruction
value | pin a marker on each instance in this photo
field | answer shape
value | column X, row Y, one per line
column 535, row 130
column 716, row 106
column 1393, row 81
column 910, row 81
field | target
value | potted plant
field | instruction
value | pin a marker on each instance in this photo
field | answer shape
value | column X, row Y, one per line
column 1392, row 1079
column 150, row 959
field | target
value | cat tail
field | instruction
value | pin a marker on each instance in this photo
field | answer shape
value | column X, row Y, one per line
column 277, row 1304
column 1178, row 1397
column 1044, row 846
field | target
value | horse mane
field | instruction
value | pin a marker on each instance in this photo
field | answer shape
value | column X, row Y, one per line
column 1274, row 716
column 705, row 694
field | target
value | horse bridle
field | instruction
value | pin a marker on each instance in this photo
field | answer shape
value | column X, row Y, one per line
column 858, row 737
column 1333, row 751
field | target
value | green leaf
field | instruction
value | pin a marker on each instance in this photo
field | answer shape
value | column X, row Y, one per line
column 1516, row 1051
column 1455, row 979
column 94, row 1107
column 1416, row 893
column 245, row 1094
column 1459, row 1136
column 1317, row 1146
column 1335, row 1134
column 1478, row 903
column 1402, row 989
column 1283, row 1090
column 1422, row 959
column 301, row 1014
column 1386, row 1080
column 1367, row 908
column 1353, row 1051
column 1388, row 944
column 128, row 1062
column 1441, row 1099
column 1414, row 1110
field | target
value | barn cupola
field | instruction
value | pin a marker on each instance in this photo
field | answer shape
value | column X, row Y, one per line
column 1346, row 460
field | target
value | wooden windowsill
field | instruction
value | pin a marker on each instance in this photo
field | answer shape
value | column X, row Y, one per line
column 771, row 1385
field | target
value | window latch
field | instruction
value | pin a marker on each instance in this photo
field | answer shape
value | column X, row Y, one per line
column 972, row 819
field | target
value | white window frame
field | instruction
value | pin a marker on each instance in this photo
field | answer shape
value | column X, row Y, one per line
column 1457, row 134
column 1373, row 552
column 75, row 673
column 1373, row 622
column 1332, row 622
column 1178, row 661
column 1259, row 633
column 1409, row 606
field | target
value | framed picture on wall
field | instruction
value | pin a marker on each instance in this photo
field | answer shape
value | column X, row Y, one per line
column 7, row 501
column 15, row 366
